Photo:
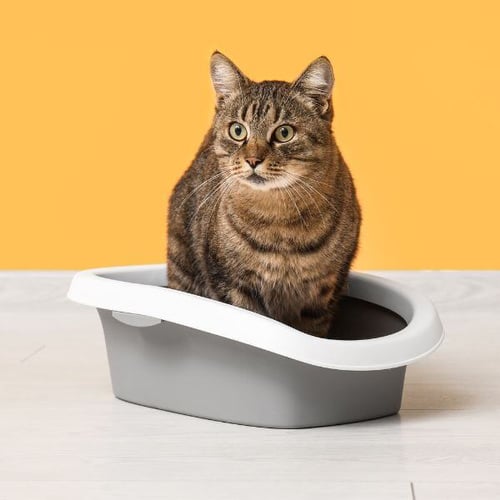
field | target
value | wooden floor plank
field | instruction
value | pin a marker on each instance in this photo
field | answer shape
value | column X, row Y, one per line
column 267, row 489
column 457, row 491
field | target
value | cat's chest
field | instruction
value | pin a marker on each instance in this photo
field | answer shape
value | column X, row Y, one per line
column 282, row 236
column 273, row 252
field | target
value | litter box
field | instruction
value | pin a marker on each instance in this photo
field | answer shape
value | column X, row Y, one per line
column 188, row 354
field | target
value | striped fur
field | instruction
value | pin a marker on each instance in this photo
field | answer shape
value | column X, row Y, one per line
column 281, row 246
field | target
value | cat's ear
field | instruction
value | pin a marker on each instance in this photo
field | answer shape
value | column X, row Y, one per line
column 227, row 79
column 316, row 83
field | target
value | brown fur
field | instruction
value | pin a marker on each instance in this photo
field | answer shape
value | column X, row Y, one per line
column 280, row 250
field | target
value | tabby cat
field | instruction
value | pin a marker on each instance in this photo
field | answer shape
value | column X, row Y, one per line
column 266, row 217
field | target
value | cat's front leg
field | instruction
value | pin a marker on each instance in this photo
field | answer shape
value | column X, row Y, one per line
column 247, row 298
column 314, row 320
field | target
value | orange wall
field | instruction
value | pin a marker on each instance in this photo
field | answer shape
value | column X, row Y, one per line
column 104, row 103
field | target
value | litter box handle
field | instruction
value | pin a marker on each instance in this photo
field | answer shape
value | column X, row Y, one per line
column 133, row 319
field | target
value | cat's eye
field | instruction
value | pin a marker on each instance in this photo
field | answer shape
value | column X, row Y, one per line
column 237, row 131
column 284, row 133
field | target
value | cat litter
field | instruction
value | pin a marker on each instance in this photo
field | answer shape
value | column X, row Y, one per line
column 183, row 353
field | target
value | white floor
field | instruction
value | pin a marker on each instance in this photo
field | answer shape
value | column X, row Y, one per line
column 64, row 436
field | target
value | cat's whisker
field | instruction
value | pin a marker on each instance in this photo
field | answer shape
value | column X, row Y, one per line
column 229, row 184
column 215, row 193
column 313, row 195
column 305, row 159
column 296, row 207
column 298, row 195
column 198, row 188
column 300, row 180
column 310, row 179
column 329, row 185
column 215, row 204
column 300, row 187
column 219, row 186
column 308, row 189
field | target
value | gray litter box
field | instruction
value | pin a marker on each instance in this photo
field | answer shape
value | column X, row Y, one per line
column 188, row 354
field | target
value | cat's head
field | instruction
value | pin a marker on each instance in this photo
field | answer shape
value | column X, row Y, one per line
column 272, row 134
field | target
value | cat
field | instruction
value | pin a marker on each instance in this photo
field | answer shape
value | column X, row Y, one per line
column 266, row 217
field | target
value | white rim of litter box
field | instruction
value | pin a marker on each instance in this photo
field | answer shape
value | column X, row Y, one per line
column 103, row 288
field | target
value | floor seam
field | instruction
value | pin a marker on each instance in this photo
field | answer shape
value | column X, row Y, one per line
column 412, row 489
column 36, row 351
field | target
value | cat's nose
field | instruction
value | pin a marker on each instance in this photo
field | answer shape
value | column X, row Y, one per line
column 253, row 161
